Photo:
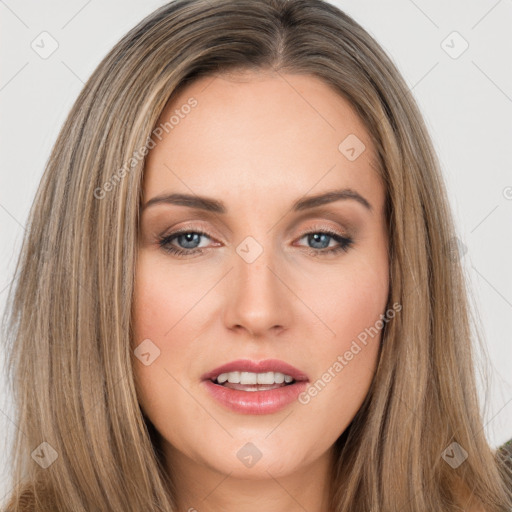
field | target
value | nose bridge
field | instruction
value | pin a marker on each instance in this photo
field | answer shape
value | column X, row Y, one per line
column 258, row 297
column 253, row 261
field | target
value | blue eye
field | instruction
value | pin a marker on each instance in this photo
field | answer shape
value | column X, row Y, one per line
column 191, row 240
column 321, row 238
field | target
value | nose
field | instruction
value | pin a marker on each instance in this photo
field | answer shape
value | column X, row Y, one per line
column 259, row 300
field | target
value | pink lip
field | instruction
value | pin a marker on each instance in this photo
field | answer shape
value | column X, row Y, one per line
column 256, row 402
column 267, row 365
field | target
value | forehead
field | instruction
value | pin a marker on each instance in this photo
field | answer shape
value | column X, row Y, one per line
column 260, row 132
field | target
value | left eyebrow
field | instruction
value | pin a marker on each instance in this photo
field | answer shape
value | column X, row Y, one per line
column 213, row 205
column 329, row 197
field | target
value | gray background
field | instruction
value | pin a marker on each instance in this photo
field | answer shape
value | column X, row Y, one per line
column 466, row 100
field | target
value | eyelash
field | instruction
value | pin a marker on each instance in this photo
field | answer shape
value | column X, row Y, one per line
column 345, row 243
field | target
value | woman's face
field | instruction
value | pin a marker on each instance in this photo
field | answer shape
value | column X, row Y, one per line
column 259, row 284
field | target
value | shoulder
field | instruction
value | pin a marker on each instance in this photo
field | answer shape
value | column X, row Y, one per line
column 467, row 500
column 23, row 501
column 471, row 504
column 505, row 453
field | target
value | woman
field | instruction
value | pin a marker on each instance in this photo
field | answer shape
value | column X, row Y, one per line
column 239, row 290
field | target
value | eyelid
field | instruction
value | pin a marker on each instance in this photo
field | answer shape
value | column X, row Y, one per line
column 186, row 228
column 318, row 226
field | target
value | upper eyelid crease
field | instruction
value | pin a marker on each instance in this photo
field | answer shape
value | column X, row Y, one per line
column 215, row 206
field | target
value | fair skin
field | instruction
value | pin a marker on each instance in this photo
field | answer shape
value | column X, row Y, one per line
column 258, row 143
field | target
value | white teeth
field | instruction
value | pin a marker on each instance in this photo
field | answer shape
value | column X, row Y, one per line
column 234, row 377
column 223, row 377
column 265, row 378
column 254, row 378
column 279, row 378
column 248, row 378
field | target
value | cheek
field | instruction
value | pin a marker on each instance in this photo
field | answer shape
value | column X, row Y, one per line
column 350, row 299
column 352, row 303
column 156, row 317
column 163, row 298
column 168, row 310
column 355, row 306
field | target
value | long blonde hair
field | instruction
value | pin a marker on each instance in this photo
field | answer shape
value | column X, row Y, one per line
column 68, row 323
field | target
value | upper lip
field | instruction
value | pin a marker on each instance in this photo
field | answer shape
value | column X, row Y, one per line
column 266, row 365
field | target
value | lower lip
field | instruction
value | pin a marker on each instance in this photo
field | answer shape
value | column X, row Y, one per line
column 256, row 402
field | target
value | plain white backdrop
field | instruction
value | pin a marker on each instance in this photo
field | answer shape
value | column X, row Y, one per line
column 455, row 57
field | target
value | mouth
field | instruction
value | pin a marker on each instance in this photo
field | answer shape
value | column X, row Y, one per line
column 251, row 381
column 255, row 387
column 251, row 375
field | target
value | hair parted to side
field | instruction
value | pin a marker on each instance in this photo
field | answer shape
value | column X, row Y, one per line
column 68, row 321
